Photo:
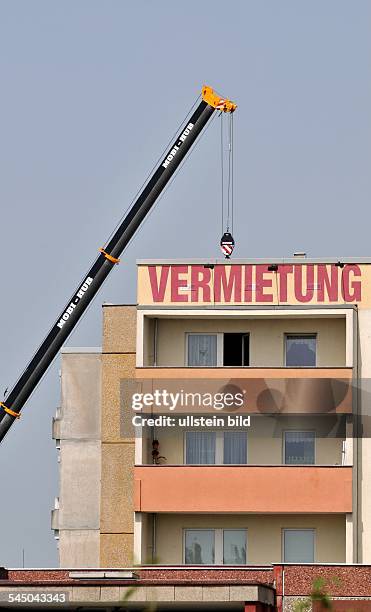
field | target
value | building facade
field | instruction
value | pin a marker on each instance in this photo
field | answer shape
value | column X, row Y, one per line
column 285, row 478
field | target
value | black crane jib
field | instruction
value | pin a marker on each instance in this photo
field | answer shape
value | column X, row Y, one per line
column 108, row 257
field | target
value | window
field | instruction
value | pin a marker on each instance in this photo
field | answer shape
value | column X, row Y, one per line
column 199, row 546
column 200, row 447
column 217, row 350
column 235, row 447
column 219, row 546
column 234, row 546
column 301, row 350
column 215, row 447
column 298, row 545
column 299, row 447
column 202, row 350
column 236, row 350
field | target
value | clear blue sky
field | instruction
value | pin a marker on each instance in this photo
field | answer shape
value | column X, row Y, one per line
column 91, row 91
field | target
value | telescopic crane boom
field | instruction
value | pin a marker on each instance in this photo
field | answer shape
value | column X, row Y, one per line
column 109, row 256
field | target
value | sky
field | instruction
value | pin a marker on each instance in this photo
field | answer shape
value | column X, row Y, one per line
column 91, row 93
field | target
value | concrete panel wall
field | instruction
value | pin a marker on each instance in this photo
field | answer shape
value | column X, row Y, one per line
column 80, row 396
column 79, row 548
column 79, row 484
column 80, row 459
column 264, row 536
column 266, row 339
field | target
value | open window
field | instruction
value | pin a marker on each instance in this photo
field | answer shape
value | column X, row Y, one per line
column 217, row 349
column 236, row 350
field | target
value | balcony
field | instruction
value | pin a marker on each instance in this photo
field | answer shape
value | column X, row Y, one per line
column 268, row 390
column 243, row 489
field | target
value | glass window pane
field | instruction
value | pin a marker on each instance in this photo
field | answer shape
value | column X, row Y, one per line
column 200, row 447
column 298, row 546
column 234, row 546
column 299, row 447
column 202, row 350
column 199, row 546
column 300, row 351
column 235, row 447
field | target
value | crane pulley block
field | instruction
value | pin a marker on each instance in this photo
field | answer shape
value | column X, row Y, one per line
column 213, row 99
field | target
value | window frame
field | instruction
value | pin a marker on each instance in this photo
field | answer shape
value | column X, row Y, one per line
column 219, row 348
column 222, row 538
column 300, row 335
column 313, row 431
column 185, row 446
column 219, row 446
column 218, row 542
column 312, row 529
column 185, row 529
column 246, row 334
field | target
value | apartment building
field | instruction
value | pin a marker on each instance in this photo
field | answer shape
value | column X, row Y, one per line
column 290, row 485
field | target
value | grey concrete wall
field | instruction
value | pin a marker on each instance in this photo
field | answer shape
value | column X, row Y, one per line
column 79, row 548
column 79, row 429
column 81, row 396
column 79, row 484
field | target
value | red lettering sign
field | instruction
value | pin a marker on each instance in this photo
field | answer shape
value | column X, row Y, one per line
column 225, row 287
column 177, row 283
column 158, row 290
column 255, row 283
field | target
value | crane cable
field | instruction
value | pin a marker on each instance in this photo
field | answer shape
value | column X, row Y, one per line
column 230, row 175
column 227, row 242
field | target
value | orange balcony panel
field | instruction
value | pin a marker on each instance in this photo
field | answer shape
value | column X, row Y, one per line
column 243, row 489
column 248, row 372
column 268, row 390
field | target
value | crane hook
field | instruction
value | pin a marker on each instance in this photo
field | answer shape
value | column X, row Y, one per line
column 227, row 244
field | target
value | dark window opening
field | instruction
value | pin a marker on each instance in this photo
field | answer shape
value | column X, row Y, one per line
column 236, row 350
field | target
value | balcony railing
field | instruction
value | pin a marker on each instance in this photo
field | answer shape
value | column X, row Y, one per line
column 268, row 390
column 243, row 489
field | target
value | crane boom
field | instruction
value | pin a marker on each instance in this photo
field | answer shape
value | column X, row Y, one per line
column 108, row 257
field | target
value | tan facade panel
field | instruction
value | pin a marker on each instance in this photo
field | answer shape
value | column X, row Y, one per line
column 116, row 489
column 114, row 369
column 116, row 550
column 119, row 329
